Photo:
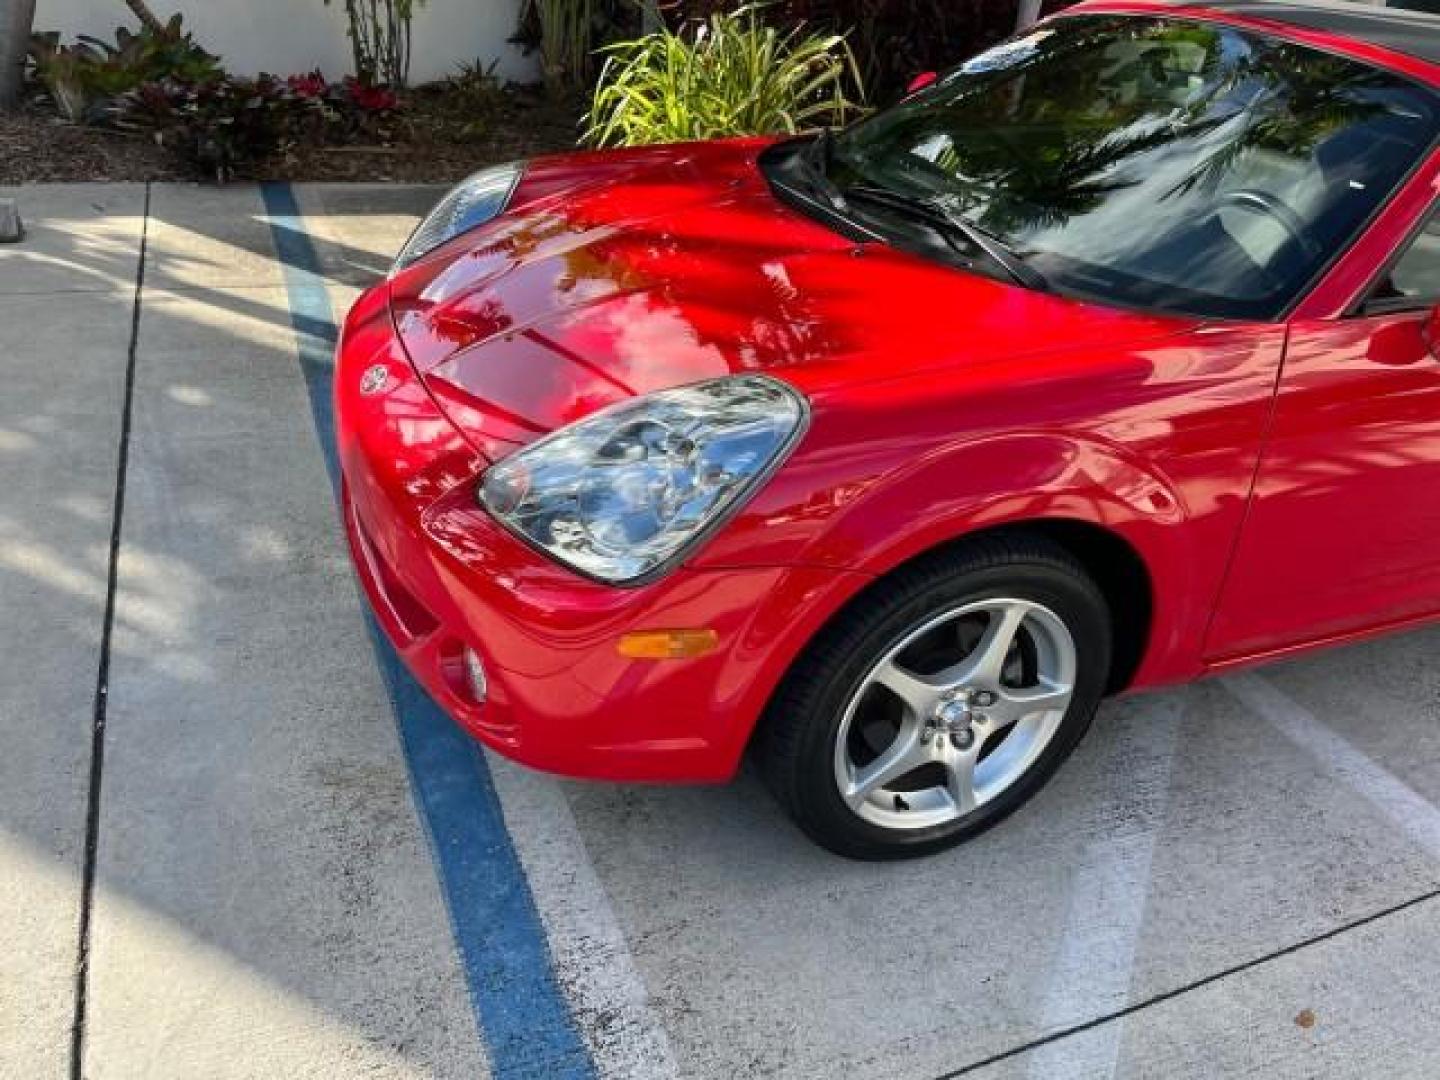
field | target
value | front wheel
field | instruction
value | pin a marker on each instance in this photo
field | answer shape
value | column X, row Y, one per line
column 941, row 700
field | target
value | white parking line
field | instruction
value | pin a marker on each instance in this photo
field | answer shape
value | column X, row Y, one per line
column 592, row 961
column 1091, row 972
column 1411, row 812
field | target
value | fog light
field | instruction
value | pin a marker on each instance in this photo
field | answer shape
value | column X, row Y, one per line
column 475, row 673
column 668, row 644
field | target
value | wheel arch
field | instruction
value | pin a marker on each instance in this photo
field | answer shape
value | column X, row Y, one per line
column 1113, row 561
column 1123, row 521
column 1120, row 571
column 784, row 736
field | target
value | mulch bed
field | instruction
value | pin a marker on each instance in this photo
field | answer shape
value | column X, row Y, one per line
column 36, row 145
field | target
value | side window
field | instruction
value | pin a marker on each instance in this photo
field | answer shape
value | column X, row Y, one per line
column 1414, row 279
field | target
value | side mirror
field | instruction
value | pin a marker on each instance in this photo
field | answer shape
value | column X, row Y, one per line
column 920, row 82
column 1393, row 344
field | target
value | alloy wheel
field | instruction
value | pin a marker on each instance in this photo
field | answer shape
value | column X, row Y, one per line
column 954, row 713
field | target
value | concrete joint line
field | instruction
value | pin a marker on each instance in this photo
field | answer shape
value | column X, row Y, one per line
column 1197, row 984
column 1388, row 794
column 102, row 675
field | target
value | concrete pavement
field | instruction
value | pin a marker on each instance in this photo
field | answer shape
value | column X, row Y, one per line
column 1234, row 879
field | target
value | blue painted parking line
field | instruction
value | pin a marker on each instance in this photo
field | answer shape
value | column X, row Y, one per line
column 522, row 1012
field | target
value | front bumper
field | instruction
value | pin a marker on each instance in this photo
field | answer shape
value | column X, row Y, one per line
column 442, row 576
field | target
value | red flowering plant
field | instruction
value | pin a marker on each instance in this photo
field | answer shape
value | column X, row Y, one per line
column 355, row 110
column 370, row 98
column 310, row 85
column 224, row 124
column 361, row 112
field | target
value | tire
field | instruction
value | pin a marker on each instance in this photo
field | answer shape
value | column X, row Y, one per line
column 925, row 650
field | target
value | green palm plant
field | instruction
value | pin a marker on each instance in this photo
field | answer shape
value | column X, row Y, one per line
column 730, row 75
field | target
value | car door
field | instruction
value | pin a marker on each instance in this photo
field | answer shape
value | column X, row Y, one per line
column 1344, row 527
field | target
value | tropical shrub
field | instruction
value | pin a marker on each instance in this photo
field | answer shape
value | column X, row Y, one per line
column 223, row 124
column 84, row 77
column 471, row 100
column 729, row 75
column 380, row 39
column 64, row 72
column 895, row 40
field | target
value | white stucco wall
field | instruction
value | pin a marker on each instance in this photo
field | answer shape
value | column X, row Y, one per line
column 288, row 36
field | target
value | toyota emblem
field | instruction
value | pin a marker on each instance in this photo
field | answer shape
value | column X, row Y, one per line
column 374, row 380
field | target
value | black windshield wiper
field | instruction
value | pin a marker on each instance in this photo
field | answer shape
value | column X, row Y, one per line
column 951, row 224
column 816, row 160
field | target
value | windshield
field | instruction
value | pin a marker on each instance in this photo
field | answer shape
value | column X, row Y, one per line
column 1160, row 163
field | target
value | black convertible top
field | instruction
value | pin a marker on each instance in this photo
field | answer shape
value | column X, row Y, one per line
column 1411, row 27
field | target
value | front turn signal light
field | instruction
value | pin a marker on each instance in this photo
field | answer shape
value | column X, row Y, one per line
column 668, row 644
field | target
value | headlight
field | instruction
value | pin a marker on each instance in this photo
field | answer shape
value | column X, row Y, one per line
column 621, row 494
column 472, row 202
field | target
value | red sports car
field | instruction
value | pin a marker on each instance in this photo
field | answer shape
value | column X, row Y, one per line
column 1106, row 360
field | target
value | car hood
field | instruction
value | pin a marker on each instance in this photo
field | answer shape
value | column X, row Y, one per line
column 625, row 273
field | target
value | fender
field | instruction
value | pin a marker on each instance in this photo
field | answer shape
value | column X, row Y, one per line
column 1159, row 448
column 1021, row 478
column 964, row 490
column 1016, row 478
